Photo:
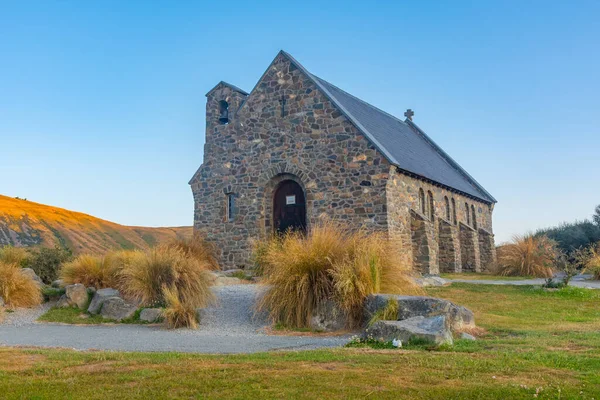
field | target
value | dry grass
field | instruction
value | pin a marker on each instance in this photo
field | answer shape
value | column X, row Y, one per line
column 592, row 262
column 18, row 289
column 168, row 276
column 178, row 314
column 197, row 247
column 14, row 255
column 332, row 263
column 89, row 270
column 527, row 256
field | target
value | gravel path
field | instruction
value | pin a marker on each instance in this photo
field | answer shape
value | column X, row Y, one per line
column 581, row 281
column 227, row 327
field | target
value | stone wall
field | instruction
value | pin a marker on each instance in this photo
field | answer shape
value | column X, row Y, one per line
column 343, row 175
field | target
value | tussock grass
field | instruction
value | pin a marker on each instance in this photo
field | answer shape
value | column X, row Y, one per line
column 89, row 270
column 331, row 263
column 18, row 289
column 14, row 255
column 178, row 314
column 592, row 262
column 197, row 247
column 527, row 255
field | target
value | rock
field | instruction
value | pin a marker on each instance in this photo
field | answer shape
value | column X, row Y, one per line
column 432, row 329
column 99, row 298
column 467, row 336
column 413, row 306
column 91, row 290
column 118, row 309
column 75, row 296
column 232, row 272
column 59, row 283
column 431, row 280
column 328, row 318
column 31, row 273
column 151, row 314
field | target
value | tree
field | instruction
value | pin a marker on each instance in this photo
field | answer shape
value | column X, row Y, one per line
column 596, row 216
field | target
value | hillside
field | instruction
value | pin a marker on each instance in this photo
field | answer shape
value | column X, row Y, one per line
column 25, row 223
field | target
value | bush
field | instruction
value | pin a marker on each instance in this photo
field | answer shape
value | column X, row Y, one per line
column 89, row 270
column 331, row 263
column 169, row 276
column 15, row 255
column 18, row 289
column 46, row 262
column 197, row 247
column 572, row 236
column 591, row 263
column 527, row 255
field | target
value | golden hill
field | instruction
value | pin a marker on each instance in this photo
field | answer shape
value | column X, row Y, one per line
column 25, row 223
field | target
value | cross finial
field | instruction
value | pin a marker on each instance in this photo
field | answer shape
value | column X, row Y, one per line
column 409, row 114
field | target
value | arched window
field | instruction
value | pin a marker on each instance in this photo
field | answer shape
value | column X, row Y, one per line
column 454, row 211
column 431, row 205
column 447, row 206
column 473, row 216
column 468, row 212
column 422, row 201
column 223, row 112
column 230, row 211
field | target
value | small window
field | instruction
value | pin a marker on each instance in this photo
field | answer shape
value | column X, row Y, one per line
column 431, row 205
column 223, row 112
column 468, row 214
column 473, row 216
column 230, row 206
column 422, row 201
column 447, row 206
column 454, row 212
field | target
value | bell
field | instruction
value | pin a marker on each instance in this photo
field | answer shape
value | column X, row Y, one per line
column 224, row 110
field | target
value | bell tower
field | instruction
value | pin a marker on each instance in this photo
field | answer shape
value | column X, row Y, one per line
column 222, row 103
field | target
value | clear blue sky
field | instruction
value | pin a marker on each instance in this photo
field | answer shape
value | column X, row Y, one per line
column 102, row 103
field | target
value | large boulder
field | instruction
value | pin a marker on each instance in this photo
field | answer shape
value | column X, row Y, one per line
column 75, row 296
column 59, row 283
column 431, row 329
column 118, row 309
column 31, row 273
column 151, row 314
column 328, row 318
column 99, row 298
column 458, row 317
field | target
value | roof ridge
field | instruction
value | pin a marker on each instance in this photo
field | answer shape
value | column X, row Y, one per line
column 237, row 89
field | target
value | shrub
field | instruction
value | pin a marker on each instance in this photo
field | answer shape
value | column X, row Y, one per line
column 178, row 314
column 14, row 255
column 47, row 262
column 527, row 255
column 89, row 270
column 592, row 262
column 18, row 289
column 168, row 276
column 197, row 247
column 331, row 263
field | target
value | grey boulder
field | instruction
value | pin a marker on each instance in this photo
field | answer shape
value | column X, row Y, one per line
column 75, row 296
column 328, row 318
column 58, row 283
column 458, row 317
column 117, row 309
column 99, row 298
column 431, row 329
column 31, row 273
column 151, row 314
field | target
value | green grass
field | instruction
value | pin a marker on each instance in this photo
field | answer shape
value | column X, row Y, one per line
column 72, row 315
column 537, row 341
column 476, row 276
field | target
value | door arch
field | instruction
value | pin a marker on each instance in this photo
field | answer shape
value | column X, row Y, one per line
column 289, row 207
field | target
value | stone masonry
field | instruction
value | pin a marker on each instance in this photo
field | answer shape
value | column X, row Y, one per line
column 286, row 129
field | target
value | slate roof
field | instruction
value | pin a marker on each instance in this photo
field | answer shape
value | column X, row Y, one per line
column 403, row 143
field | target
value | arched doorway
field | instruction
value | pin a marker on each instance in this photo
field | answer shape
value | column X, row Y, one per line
column 289, row 207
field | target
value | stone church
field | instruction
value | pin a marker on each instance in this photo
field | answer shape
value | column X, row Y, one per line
column 297, row 148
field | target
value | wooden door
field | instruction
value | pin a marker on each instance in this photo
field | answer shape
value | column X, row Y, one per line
column 289, row 207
